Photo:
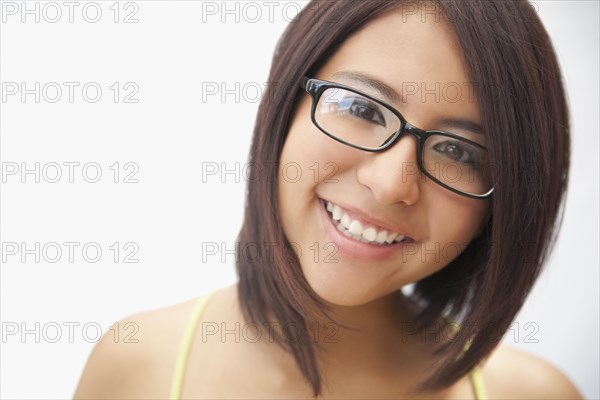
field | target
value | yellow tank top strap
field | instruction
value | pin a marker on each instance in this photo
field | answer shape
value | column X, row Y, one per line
column 477, row 383
column 184, row 351
column 475, row 374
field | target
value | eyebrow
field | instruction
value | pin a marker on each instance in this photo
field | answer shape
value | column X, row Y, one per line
column 390, row 93
column 383, row 88
column 461, row 123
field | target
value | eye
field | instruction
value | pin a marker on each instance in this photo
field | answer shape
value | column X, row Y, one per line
column 458, row 151
column 363, row 109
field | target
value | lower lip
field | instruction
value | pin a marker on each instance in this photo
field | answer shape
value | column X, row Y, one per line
column 355, row 248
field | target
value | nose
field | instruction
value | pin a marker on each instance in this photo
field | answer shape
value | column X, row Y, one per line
column 393, row 175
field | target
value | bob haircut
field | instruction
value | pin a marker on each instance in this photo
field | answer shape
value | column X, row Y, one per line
column 518, row 83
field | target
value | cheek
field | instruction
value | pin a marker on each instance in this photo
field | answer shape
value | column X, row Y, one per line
column 310, row 158
column 309, row 161
column 453, row 224
column 296, row 176
column 458, row 222
column 309, row 147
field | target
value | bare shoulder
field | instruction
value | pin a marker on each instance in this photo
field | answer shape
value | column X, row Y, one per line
column 510, row 373
column 138, row 360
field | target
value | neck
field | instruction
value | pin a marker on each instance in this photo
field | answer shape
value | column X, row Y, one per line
column 371, row 333
column 382, row 346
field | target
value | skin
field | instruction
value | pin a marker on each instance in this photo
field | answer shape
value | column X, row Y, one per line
column 364, row 293
column 372, row 362
column 380, row 184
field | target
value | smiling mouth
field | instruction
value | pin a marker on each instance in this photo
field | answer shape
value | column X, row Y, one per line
column 358, row 231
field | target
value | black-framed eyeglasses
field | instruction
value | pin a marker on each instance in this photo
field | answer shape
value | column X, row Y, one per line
column 366, row 123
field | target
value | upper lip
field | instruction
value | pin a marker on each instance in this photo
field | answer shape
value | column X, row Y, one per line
column 373, row 220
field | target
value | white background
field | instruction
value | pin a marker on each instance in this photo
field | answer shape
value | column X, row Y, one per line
column 170, row 134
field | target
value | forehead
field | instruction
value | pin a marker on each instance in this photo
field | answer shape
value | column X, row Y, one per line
column 418, row 55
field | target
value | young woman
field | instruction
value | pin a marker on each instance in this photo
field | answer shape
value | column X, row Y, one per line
column 422, row 143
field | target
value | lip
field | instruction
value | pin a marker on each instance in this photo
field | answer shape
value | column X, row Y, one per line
column 368, row 220
column 355, row 248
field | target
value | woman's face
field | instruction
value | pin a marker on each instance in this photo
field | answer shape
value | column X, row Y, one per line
column 382, row 191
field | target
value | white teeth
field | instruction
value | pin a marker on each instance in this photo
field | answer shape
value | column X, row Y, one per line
column 337, row 213
column 345, row 221
column 354, row 229
column 381, row 236
column 391, row 237
column 369, row 234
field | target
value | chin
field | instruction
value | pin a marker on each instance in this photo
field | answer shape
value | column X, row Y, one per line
column 332, row 283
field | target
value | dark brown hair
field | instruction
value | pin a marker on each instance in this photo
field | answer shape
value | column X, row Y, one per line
column 525, row 120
